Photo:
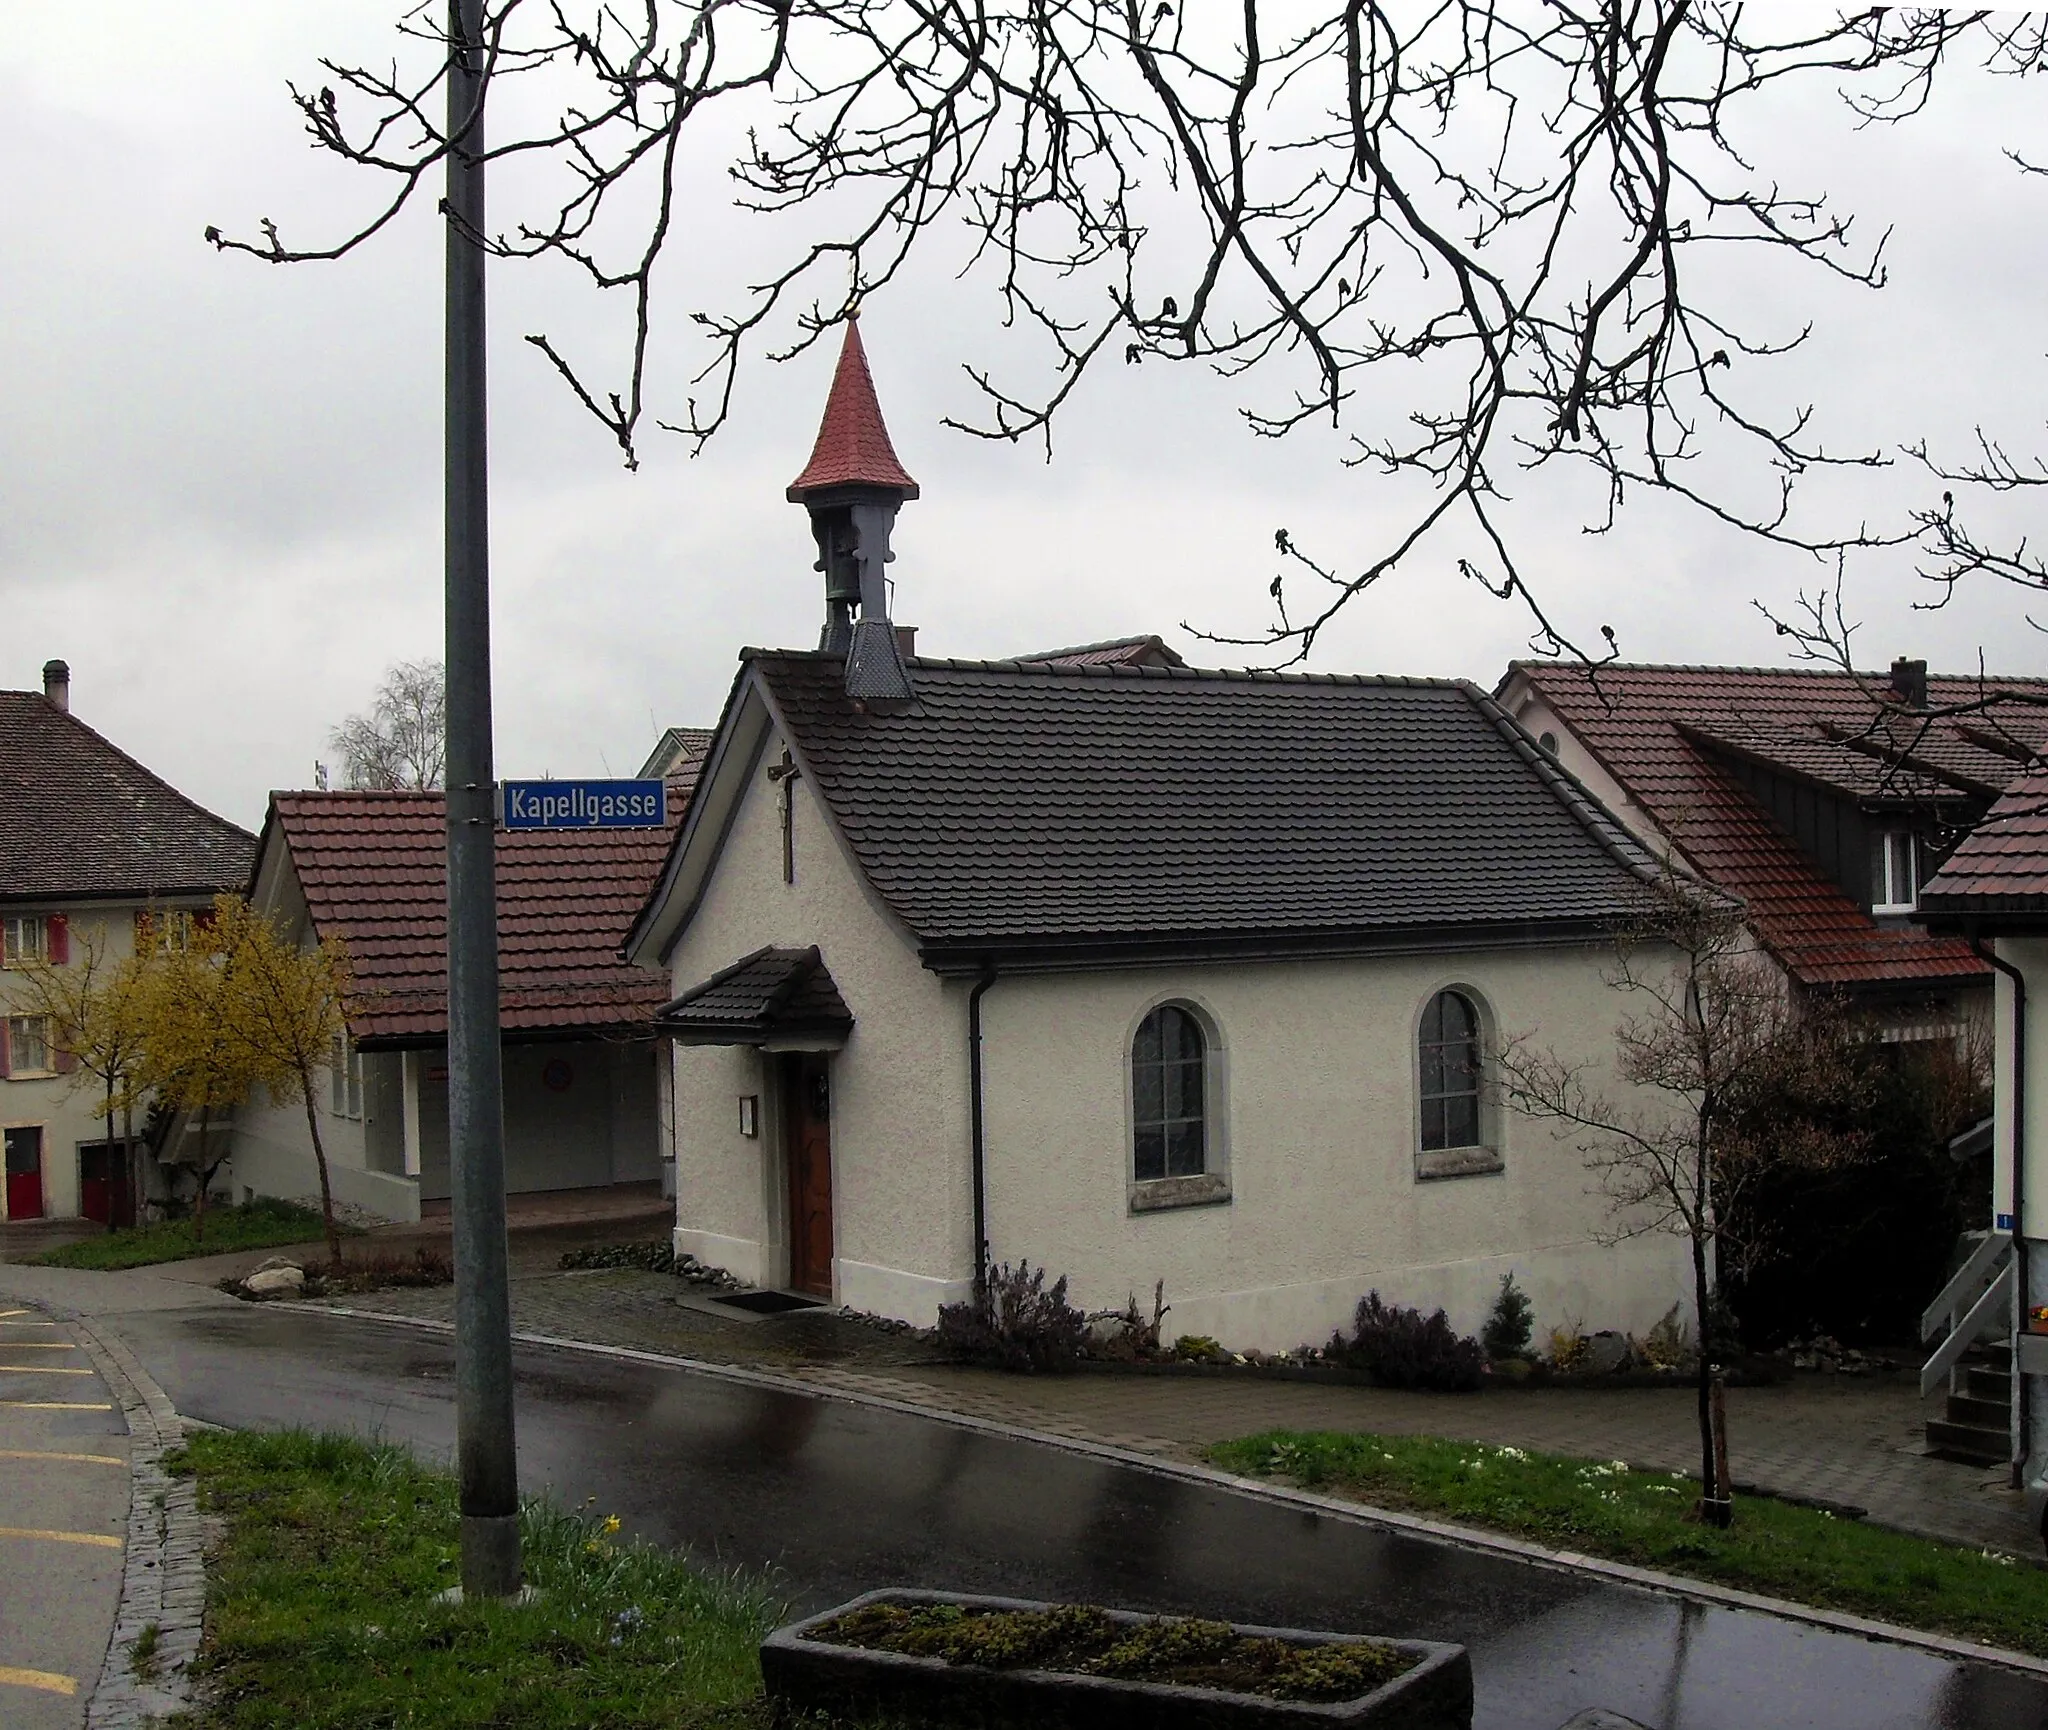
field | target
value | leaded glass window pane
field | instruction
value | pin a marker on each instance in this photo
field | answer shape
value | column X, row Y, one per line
column 1449, row 1073
column 1169, row 1096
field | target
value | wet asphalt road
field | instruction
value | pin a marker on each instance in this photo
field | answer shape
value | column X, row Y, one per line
column 839, row 1499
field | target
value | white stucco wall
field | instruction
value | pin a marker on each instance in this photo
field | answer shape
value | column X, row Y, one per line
column 901, row 1208
column 2030, row 956
column 1318, row 1118
column 1318, row 1132
column 273, row 1148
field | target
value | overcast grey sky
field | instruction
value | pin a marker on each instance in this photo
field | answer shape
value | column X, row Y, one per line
column 219, row 481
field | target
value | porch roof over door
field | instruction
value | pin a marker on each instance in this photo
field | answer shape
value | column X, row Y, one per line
column 779, row 998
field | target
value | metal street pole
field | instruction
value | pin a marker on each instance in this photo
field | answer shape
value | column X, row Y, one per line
column 485, row 1461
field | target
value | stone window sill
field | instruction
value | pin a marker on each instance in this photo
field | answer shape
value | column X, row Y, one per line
column 1457, row 1162
column 1161, row 1193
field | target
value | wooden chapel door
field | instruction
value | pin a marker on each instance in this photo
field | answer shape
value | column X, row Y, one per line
column 807, row 1133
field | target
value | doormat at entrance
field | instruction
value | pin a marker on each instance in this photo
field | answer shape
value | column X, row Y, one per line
column 768, row 1303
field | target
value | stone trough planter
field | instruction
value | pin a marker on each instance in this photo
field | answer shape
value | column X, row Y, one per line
column 805, row 1674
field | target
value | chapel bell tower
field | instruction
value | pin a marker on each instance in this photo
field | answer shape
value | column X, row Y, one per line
column 853, row 486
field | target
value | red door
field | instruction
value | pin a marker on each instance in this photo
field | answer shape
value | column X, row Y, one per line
column 807, row 1120
column 103, row 1189
column 25, row 1173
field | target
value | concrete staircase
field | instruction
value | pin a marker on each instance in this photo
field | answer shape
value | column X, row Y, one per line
column 1976, row 1427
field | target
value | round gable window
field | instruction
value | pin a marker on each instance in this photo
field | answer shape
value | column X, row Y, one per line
column 556, row 1075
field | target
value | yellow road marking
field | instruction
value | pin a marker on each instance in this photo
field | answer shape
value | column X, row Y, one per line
column 4, row 1314
column 47, row 1454
column 47, row 1680
column 37, row 1346
column 56, row 1405
column 39, row 1370
column 96, row 1538
column 25, row 1324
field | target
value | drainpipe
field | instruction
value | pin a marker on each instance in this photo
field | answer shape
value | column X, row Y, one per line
column 988, row 978
column 2019, row 1190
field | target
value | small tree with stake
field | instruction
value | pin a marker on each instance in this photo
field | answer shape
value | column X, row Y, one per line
column 1713, row 1032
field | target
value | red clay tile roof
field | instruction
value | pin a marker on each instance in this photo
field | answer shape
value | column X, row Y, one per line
column 1635, row 720
column 80, row 819
column 1118, row 652
column 2002, row 865
column 853, row 447
column 373, row 868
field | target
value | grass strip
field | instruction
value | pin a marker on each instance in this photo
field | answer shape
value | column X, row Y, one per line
column 321, row 1607
column 259, row 1224
column 1602, row 1508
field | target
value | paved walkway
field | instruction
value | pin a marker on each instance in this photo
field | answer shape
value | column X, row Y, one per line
column 63, row 1514
column 1844, row 1440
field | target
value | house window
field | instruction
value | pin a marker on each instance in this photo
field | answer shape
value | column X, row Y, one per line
column 28, row 1045
column 1449, row 1045
column 24, row 938
column 345, row 1073
column 1169, row 1096
column 1894, row 873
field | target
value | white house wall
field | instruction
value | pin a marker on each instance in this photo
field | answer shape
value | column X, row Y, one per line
column 899, row 1091
column 1318, row 1139
column 273, row 1148
column 2030, row 955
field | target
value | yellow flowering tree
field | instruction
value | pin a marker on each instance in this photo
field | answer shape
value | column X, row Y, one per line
column 194, row 1058
column 287, row 1009
column 98, row 1008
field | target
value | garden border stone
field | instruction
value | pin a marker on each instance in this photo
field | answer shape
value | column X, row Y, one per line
column 805, row 1674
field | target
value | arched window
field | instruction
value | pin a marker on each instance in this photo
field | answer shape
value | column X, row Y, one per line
column 1451, row 1060
column 1169, row 1096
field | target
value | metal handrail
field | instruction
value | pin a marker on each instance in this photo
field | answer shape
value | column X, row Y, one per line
column 1941, row 1313
column 1996, row 1295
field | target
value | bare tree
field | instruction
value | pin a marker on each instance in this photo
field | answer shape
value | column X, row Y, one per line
column 1464, row 232
column 400, row 742
column 1728, row 1079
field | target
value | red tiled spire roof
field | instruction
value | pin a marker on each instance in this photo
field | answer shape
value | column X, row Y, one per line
column 853, row 447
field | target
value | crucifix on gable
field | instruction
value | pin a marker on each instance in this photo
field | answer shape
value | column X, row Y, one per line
column 788, row 774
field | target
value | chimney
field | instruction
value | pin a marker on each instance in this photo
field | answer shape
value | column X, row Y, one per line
column 853, row 486
column 906, row 642
column 1909, row 683
column 57, row 685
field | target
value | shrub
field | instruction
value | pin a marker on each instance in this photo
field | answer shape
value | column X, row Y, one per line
column 1199, row 1349
column 1013, row 1323
column 1403, row 1348
column 1129, row 1337
column 1569, row 1345
column 1507, row 1330
column 1668, row 1345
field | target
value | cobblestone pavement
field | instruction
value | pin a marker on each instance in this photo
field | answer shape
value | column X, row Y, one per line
column 1848, row 1441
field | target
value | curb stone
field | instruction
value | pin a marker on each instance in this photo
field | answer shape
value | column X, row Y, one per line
column 163, row 1576
column 831, row 1385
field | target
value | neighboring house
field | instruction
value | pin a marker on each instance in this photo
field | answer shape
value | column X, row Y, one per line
column 679, row 751
column 1137, row 972
column 90, row 843
column 1992, row 892
column 582, row 1084
column 1821, row 807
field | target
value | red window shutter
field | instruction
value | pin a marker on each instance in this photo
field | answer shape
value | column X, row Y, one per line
column 6, row 1063
column 59, row 928
column 62, row 1058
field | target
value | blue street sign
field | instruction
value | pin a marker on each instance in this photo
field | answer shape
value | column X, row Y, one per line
column 2005, row 1222
column 585, row 804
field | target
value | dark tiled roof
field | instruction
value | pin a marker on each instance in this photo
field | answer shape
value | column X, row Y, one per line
column 1117, row 652
column 2001, row 865
column 1032, row 806
column 772, row 991
column 80, row 818
column 1656, row 729
column 853, row 447
column 373, row 867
